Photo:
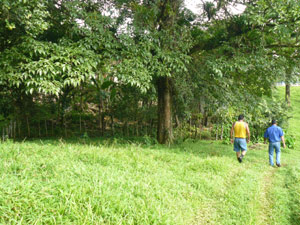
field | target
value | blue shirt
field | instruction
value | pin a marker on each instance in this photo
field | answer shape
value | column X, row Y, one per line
column 274, row 133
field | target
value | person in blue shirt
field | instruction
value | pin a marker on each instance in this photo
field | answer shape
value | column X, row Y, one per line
column 275, row 134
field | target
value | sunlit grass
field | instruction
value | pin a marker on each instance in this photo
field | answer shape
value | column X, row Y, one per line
column 294, row 111
column 54, row 182
column 105, row 182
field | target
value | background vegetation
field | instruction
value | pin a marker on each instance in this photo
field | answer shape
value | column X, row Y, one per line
column 122, row 181
column 128, row 68
column 89, row 90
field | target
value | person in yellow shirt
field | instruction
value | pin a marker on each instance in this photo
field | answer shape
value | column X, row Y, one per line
column 241, row 132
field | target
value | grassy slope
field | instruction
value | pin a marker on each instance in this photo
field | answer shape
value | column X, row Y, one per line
column 294, row 114
column 55, row 182
column 294, row 126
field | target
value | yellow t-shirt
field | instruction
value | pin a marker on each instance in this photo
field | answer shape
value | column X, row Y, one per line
column 240, row 130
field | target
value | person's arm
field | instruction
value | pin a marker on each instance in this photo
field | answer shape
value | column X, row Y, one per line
column 266, row 136
column 248, row 133
column 231, row 133
column 282, row 139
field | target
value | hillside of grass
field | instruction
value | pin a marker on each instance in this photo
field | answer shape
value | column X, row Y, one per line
column 294, row 122
column 102, row 182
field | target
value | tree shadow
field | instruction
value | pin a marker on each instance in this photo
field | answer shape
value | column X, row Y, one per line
column 200, row 148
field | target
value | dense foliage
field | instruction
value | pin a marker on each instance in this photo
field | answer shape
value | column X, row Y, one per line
column 70, row 68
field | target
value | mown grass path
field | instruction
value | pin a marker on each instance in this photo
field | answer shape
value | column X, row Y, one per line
column 281, row 186
column 280, row 189
column 265, row 212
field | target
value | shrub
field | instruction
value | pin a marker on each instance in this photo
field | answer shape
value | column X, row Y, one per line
column 205, row 134
column 289, row 141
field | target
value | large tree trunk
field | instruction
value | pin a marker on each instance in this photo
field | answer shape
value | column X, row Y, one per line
column 288, row 93
column 164, row 126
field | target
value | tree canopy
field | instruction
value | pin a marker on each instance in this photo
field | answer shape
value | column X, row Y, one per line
column 142, row 67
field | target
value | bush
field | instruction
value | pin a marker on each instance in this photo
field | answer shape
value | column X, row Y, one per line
column 191, row 132
column 290, row 141
column 205, row 134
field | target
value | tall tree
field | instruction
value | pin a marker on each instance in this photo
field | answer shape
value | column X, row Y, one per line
column 162, row 41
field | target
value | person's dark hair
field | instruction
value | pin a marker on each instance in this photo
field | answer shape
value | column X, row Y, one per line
column 274, row 122
column 240, row 117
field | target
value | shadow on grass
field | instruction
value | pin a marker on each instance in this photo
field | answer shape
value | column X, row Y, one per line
column 144, row 141
column 202, row 148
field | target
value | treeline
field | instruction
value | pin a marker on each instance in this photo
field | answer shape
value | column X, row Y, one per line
column 136, row 68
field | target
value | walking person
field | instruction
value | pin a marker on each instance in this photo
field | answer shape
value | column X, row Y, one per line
column 275, row 134
column 241, row 132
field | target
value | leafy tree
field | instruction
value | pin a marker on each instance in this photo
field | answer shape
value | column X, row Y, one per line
column 115, row 62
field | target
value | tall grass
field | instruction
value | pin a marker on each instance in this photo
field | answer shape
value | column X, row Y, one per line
column 58, row 182
column 113, row 182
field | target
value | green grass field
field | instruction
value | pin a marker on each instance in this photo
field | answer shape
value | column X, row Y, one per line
column 69, row 182
column 294, row 122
